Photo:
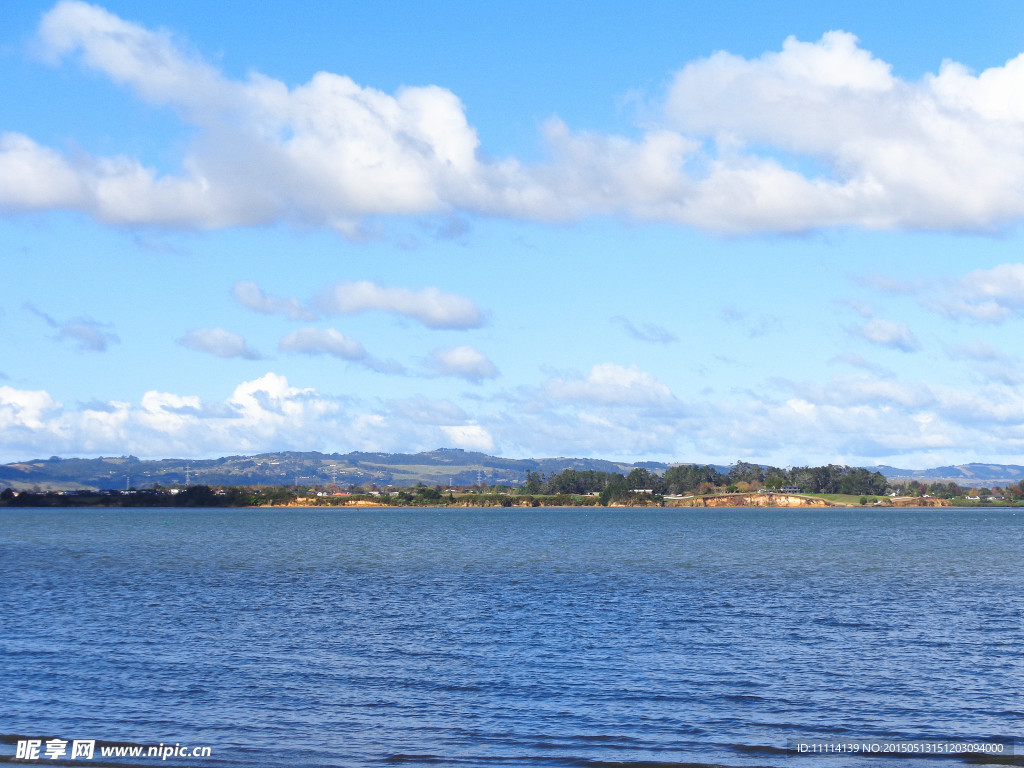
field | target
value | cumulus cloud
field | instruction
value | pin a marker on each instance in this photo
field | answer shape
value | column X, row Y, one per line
column 263, row 414
column 611, row 384
column 330, row 341
column 24, row 409
column 313, row 341
column 464, row 362
column 858, row 419
column 326, row 153
column 471, row 436
column 90, row 335
column 614, row 412
column 429, row 306
column 942, row 153
column 986, row 295
column 909, row 416
column 250, row 295
column 863, row 390
column 888, row 333
column 729, row 151
column 219, row 342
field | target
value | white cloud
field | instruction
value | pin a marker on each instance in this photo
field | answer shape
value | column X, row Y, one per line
column 471, row 436
column 272, row 394
column 935, row 154
column 864, row 390
column 250, row 295
column 986, row 295
column 167, row 413
column 1002, row 372
column 558, row 428
column 313, row 341
column 90, row 335
column 649, row 332
column 149, row 61
column 219, row 342
column 325, row 153
column 888, row 333
column 115, row 190
column 264, row 414
column 731, row 154
column 611, row 384
column 25, row 409
column 429, row 306
column 988, row 362
column 975, row 350
column 330, row 341
column 34, row 177
column 848, row 419
column 464, row 362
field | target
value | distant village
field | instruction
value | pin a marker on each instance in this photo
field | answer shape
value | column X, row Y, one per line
column 683, row 485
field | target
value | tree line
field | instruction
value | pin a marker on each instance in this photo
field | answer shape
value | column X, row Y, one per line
column 567, row 487
column 703, row 478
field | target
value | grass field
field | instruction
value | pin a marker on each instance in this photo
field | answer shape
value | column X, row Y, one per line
column 845, row 498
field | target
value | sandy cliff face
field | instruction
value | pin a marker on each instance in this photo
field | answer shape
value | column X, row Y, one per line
column 752, row 500
column 917, row 501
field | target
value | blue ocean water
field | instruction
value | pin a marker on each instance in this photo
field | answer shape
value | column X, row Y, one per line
column 513, row 637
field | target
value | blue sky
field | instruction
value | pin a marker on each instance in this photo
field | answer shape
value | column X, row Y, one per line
column 673, row 231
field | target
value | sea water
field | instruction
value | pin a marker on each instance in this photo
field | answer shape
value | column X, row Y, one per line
column 511, row 637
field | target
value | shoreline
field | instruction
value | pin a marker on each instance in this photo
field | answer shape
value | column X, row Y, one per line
column 726, row 501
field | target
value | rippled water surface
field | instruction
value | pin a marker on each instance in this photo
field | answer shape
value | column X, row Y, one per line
column 567, row 637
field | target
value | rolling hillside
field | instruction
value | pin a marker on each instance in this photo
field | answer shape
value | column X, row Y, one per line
column 444, row 466
column 447, row 466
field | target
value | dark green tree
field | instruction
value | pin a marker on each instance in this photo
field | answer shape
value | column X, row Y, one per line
column 685, row 478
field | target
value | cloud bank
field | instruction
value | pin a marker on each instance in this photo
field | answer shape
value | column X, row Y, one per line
column 728, row 151
column 612, row 411
column 266, row 413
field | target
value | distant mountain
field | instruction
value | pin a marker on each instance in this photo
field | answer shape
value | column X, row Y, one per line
column 445, row 466
column 962, row 474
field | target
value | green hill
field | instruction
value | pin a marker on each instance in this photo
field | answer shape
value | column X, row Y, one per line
column 444, row 466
